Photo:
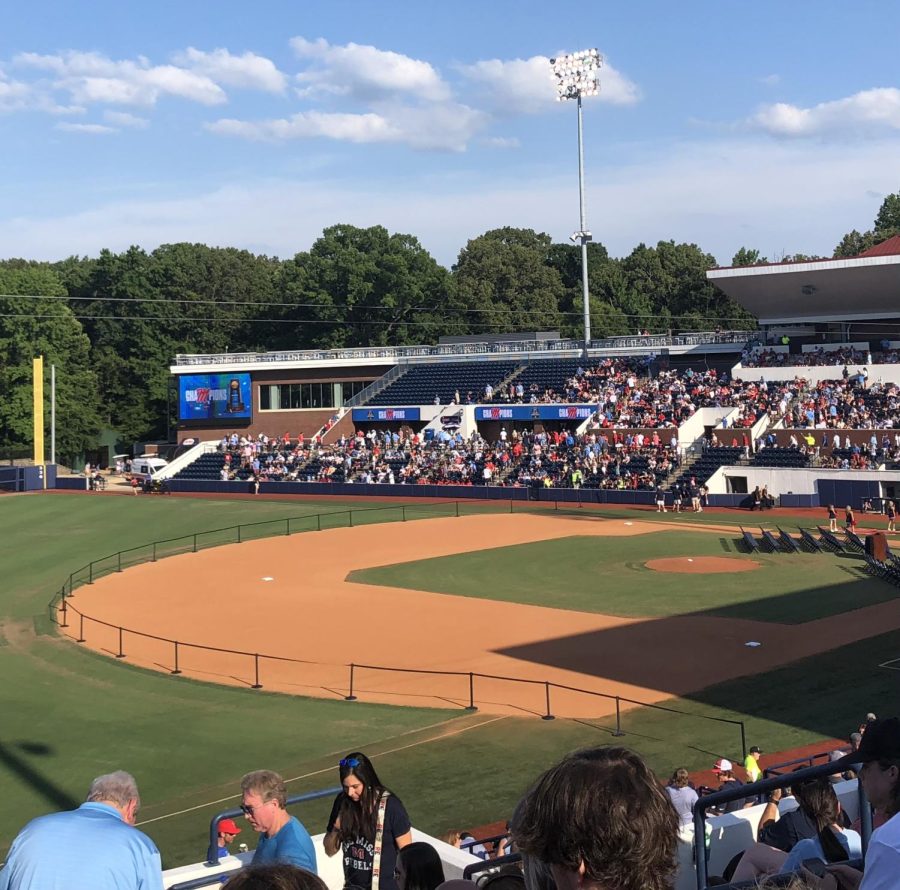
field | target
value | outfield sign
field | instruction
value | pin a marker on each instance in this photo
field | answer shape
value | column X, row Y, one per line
column 535, row 412
column 386, row 414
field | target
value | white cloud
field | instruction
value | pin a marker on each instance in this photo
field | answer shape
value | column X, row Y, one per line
column 527, row 86
column 440, row 127
column 14, row 95
column 364, row 72
column 94, row 129
column 502, row 142
column 864, row 113
column 771, row 80
column 124, row 119
column 92, row 77
column 247, row 71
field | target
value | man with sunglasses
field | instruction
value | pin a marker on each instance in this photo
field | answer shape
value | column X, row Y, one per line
column 282, row 837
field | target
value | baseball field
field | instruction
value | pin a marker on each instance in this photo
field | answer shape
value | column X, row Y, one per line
column 654, row 608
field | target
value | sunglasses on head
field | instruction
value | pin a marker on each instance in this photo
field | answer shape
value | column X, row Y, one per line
column 349, row 761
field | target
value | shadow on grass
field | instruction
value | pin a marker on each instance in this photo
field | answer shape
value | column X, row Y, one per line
column 17, row 765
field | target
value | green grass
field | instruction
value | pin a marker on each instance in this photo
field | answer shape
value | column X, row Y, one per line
column 69, row 714
column 595, row 574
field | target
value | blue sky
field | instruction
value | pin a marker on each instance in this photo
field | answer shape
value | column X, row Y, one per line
column 770, row 125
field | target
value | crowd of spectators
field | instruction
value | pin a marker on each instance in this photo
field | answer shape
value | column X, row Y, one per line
column 846, row 403
column 560, row 458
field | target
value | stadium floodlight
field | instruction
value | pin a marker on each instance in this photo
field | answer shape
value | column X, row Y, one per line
column 576, row 77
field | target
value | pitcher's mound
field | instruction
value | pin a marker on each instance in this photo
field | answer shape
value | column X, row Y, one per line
column 701, row 565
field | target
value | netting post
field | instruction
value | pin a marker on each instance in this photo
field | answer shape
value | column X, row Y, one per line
column 177, row 669
column 121, row 652
column 548, row 715
column 256, row 684
column 153, row 558
column 91, row 572
column 239, row 535
column 80, row 629
column 318, row 522
column 457, row 509
column 471, row 705
column 70, row 586
column 351, row 518
column 743, row 739
column 351, row 696
column 287, row 526
column 195, row 543
column 618, row 731
column 510, row 505
column 65, row 621
column 119, row 555
column 403, row 512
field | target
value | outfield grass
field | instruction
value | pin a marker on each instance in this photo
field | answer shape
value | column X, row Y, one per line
column 609, row 576
column 69, row 714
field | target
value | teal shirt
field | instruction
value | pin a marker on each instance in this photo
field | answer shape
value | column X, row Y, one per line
column 292, row 844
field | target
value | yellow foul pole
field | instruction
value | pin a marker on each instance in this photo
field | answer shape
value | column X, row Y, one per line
column 38, row 369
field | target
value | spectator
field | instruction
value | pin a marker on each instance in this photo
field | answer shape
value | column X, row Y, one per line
column 95, row 847
column 683, row 797
column 275, row 877
column 282, row 837
column 724, row 769
column 418, row 867
column 599, row 819
column 228, row 831
column 470, row 844
column 369, row 824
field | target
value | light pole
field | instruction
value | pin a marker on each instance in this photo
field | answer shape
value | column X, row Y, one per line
column 576, row 77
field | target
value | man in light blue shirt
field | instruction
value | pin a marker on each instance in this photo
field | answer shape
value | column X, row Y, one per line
column 282, row 837
column 95, row 847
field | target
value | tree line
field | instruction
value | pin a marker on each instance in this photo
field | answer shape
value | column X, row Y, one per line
column 112, row 324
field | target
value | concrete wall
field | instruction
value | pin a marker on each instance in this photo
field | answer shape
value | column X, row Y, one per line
column 815, row 373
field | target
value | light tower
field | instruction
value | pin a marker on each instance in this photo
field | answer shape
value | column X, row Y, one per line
column 576, row 77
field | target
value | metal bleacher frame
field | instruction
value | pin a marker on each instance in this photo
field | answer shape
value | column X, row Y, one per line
column 763, row 787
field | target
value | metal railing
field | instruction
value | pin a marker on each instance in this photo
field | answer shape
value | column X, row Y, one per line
column 61, row 612
column 446, row 350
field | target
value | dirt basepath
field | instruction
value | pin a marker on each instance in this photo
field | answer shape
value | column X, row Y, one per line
column 288, row 597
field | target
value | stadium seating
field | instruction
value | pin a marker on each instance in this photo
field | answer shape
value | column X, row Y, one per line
column 421, row 383
column 781, row 457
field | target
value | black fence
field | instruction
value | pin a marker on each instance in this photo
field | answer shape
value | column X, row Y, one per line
column 253, row 668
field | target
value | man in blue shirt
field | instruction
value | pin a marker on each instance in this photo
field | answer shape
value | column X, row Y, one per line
column 282, row 838
column 95, row 847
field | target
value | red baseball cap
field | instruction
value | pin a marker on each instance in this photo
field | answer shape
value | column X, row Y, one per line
column 228, row 826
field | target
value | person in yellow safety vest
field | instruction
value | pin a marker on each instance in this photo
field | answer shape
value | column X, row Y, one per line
column 751, row 765
column 548, row 483
column 577, row 478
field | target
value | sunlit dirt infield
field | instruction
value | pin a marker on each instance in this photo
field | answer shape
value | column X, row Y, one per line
column 287, row 599
column 701, row 565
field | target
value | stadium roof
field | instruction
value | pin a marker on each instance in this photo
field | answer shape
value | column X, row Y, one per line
column 852, row 289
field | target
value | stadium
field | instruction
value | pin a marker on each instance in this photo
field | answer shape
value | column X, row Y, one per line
column 472, row 553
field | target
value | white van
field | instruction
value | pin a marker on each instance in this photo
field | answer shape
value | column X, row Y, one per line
column 147, row 467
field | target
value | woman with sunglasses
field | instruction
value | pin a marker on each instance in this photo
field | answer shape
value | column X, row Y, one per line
column 369, row 825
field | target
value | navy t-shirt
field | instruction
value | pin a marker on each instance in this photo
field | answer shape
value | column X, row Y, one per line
column 358, row 853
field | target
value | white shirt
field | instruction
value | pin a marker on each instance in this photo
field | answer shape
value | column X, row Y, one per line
column 883, row 857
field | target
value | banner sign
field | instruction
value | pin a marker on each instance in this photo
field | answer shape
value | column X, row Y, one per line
column 214, row 397
column 386, row 414
column 535, row 412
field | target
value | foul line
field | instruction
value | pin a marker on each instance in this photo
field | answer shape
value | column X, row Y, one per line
column 329, row 769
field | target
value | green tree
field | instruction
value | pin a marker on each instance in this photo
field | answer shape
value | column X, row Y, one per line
column 887, row 224
column 748, row 257
column 32, row 327
column 504, row 281
column 361, row 287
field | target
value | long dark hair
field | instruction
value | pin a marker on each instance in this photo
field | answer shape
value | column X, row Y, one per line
column 420, row 867
column 817, row 799
column 358, row 818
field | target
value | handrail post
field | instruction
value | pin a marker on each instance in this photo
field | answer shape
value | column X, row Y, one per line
column 287, row 527
column 403, row 511
column 153, row 559
column 195, row 543
column 177, row 669
column 510, row 505
column 70, row 586
column 239, row 535
column 548, row 715
column 743, row 739
column 457, row 509
column 351, row 696
column 121, row 652
column 91, row 572
column 318, row 522
column 80, row 628
column 119, row 555
column 351, row 518
column 257, row 684
column 65, row 621
column 471, row 705
column 618, row 731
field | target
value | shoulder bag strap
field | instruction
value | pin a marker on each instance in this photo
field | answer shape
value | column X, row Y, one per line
column 379, row 837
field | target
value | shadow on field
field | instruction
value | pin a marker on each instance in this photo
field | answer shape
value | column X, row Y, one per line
column 18, row 766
